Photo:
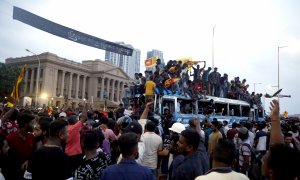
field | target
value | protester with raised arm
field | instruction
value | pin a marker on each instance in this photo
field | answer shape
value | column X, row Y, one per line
column 281, row 161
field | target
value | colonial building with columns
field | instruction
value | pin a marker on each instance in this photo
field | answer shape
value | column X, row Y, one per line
column 64, row 81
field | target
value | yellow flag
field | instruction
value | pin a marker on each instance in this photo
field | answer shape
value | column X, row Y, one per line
column 16, row 91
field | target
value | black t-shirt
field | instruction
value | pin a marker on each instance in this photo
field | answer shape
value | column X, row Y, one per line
column 50, row 163
column 92, row 169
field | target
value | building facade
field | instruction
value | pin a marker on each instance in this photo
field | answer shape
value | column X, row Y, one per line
column 64, row 81
column 129, row 64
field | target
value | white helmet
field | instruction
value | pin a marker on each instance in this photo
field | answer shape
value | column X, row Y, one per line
column 177, row 127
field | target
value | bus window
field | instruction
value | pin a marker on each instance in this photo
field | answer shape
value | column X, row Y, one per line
column 186, row 106
column 168, row 104
column 246, row 111
column 234, row 110
column 221, row 109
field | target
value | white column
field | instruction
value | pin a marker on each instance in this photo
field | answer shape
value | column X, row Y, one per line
column 55, row 72
column 70, row 86
column 26, row 81
column 102, row 88
column 118, row 91
column 113, row 90
column 62, row 83
column 77, row 87
column 31, row 81
column 83, row 86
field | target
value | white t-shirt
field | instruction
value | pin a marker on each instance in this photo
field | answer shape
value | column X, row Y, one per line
column 153, row 144
column 223, row 176
column 143, row 123
column 251, row 138
column 141, row 147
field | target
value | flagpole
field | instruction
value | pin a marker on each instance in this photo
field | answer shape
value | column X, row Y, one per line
column 38, row 76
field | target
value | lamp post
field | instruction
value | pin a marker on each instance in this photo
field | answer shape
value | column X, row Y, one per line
column 213, row 47
column 278, row 50
column 38, row 76
column 254, row 85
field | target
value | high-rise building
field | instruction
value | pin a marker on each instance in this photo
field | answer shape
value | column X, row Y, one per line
column 129, row 64
column 159, row 54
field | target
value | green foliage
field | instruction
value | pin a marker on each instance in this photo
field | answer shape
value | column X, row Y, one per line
column 8, row 76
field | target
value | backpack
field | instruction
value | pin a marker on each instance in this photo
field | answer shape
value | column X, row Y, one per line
column 254, row 169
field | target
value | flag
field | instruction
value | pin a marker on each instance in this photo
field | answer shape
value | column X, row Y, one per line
column 189, row 62
column 150, row 62
column 16, row 91
column 171, row 81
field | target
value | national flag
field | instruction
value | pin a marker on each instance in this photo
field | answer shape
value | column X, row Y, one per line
column 171, row 81
column 189, row 62
column 16, row 91
column 150, row 62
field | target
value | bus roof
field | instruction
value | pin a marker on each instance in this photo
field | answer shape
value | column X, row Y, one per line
column 225, row 101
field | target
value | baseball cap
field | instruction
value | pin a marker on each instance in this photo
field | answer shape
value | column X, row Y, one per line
column 242, row 130
column 62, row 114
column 177, row 127
column 134, row 127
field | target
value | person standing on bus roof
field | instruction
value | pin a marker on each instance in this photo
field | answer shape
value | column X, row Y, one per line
column 214, row 80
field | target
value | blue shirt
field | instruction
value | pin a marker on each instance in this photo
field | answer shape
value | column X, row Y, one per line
column 190, row 168
column 127, row 170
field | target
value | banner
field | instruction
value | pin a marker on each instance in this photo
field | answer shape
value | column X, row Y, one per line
column 151, row 62
column 16, row 91
column 68, row 33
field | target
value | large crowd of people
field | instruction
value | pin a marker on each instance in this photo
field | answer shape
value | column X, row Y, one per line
column 176, row 78
column 92, row 144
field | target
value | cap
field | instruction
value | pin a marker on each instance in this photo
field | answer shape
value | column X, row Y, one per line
column 177, row 127
column 242, row 130
column 134, row 127
column 62, row 114
column 69, row 113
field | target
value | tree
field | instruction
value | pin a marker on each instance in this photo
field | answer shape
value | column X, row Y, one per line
column 8, row 76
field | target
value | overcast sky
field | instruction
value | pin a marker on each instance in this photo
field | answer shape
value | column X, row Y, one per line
column 247, row 34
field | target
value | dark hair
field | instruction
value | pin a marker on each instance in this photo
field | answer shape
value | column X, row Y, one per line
column 288, row 135
column 283, row 160
column 56, row 127
column 24, row 118
column 150, row 126
column 72, row 119
column 248, row 125
column 90, row 115
column 234, row 125
column 216, row 124
column 91, row 138
column 14, row 115
column 191, row 138
column 127, row 142
column 226, row 122
column 224, row 151
column 45, row 124
column 243, row 136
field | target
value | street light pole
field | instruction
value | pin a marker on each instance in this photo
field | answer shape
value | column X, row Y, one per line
column 213, row 47
column 38, row 76
column 254, row 86
column 278, row 50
